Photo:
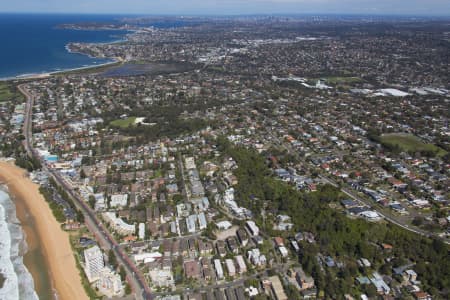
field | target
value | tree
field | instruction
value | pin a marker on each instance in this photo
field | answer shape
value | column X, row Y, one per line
column 370, row 290
column 335, row 234
column 418, row 221
column 292, row 292
column 92, row 201
column 177, row 197
column 112, row 259
column 127, row 288
column 122, row 273
column 86, row 160
column 209, row 231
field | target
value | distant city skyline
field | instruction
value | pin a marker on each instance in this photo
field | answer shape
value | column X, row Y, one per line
column 231, row 7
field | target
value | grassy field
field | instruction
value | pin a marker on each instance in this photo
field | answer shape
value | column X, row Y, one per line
column 338, row 80
column 5, row 92
column 409, row 143
column 9, row 92
column 123, row 123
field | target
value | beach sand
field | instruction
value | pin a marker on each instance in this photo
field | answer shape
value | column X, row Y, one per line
column 34, row 258
column 54, row 242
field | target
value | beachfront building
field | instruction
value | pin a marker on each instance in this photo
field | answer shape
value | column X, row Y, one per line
column 94, row 263
column 109, row 283
column 106, row 281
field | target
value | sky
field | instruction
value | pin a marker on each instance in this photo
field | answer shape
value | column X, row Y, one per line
column 227, row 7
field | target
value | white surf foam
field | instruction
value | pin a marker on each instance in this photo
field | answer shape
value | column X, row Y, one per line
column 19, row 282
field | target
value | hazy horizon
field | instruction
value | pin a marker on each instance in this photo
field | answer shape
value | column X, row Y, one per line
column 233, row 7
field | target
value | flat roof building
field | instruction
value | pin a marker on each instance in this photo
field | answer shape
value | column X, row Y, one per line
column 94, row 263
column 241, row 266
column 252, row 228
column 218, row 268
column 230, row 267
column 277, row 288
column 142, row 231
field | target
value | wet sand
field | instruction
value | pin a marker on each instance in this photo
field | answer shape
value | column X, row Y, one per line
column 34, row 258
column 50, row 258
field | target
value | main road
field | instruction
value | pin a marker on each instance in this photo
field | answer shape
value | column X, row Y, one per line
column 367, row 202
column 102, row 235
column 385, row 215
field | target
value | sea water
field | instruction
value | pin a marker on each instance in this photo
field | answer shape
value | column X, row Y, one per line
column 18, row 281
column 34, row 44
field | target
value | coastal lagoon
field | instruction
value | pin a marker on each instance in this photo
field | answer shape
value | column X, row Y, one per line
column 133, row 69
column 32, row 43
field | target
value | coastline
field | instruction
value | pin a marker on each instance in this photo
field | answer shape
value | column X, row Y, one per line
column 49, row 74
column 43, row 233
column 16, row 280
column 114, row 61
column 45, row 74
column 33, row 256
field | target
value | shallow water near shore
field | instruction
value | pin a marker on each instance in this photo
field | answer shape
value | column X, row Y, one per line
column 19, row 283
column 34, row 258
column 50, row 257
column 32, row 43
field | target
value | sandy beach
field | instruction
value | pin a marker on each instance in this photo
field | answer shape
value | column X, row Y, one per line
column 58, row 255
column 115, row 61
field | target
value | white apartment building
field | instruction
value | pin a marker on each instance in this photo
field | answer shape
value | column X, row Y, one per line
column 94, row 263
column 118, row 224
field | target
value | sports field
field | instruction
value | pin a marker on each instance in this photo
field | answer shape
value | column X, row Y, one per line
column 409, row 143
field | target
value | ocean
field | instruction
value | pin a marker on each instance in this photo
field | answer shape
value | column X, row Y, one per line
column 31, row 43
column 18, row 282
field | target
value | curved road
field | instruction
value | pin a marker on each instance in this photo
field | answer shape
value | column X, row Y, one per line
column 385, row 216
column 365, row 201
column 102, row 235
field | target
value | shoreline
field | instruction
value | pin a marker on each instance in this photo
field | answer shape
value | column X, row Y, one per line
column 49, row 74
column 116, row 60
column 43, row 233
column 45, row 74
column 33, row 257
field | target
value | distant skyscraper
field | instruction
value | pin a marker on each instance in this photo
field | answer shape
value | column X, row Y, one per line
column 93, row 258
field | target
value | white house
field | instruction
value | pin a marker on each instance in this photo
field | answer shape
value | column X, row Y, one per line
column 118, row 200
